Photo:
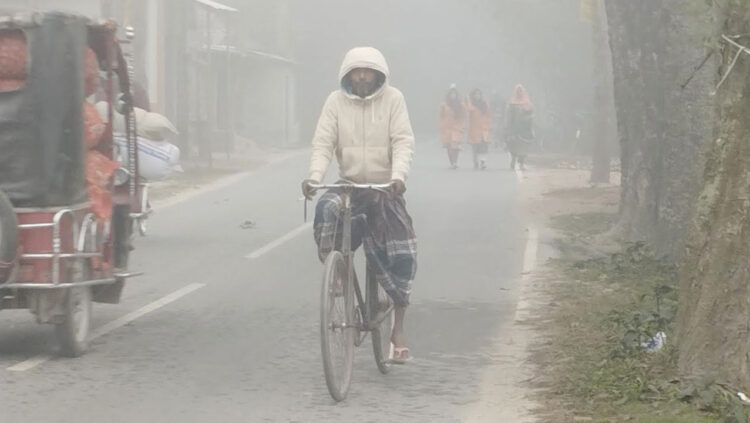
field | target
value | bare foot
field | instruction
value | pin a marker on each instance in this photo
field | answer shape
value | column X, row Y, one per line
column 397, row 339
column 397, row 336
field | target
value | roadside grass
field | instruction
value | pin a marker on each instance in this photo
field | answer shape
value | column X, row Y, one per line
column 584, row 224
column 594, row 360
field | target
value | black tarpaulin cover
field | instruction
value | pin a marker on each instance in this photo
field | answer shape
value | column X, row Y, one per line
column 41, row 148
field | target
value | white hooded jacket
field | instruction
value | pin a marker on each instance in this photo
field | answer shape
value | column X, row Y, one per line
column 371, row 137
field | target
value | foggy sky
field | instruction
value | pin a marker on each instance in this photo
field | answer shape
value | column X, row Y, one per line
column 491, row 45
column 430, row 44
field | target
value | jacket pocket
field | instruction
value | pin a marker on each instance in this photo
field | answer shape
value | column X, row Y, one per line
column 351, row 161
column 378, row 159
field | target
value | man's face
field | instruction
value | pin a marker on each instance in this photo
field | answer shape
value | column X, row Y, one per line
column 363, row 81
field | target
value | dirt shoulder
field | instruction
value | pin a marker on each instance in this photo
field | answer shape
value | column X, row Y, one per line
column 199, row 174
column 509, row 394
column 593, row 306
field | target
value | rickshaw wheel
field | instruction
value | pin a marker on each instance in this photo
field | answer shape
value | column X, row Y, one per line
column 73, row 331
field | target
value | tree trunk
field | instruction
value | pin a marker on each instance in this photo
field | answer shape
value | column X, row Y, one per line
column 663, row 128
column 637, row 39
column 714, row 318
column 603, row 98
column 688, row 121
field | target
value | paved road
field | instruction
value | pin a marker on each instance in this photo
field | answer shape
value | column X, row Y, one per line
column 242, row 345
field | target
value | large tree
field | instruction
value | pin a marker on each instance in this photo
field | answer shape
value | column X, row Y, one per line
column 663, row 123
column 714, row 318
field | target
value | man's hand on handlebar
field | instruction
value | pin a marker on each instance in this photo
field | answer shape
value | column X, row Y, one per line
column 310, row 187
column 307, row 188
column 398, row 187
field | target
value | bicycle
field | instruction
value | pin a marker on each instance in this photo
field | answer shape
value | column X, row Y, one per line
column 345, row 317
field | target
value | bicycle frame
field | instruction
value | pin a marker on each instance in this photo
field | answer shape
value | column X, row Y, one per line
column 346, row 190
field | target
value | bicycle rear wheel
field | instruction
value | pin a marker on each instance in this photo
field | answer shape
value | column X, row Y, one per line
column 336, row 330
column 378, row 302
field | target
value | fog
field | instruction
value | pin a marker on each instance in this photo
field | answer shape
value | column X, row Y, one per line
column 488, row 44
column 228, row 319
column 491, row 45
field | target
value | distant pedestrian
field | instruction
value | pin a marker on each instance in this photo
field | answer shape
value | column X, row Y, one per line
column 519, row 127
column 452, row 124
column 480, row 123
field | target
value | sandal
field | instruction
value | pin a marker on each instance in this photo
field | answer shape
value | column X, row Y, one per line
column 400, row 355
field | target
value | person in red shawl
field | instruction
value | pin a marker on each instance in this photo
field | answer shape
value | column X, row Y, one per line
column 480, row 123
column 519, row 126
column 452, row 124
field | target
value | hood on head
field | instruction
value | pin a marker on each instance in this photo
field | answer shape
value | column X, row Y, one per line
column 520, row 97
column 364, row 57
column 450, row 91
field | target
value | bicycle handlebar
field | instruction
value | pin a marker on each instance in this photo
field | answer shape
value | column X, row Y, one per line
column 378, row 187
column 354, row 186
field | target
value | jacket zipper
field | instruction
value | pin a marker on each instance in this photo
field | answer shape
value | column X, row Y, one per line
column 364, row 142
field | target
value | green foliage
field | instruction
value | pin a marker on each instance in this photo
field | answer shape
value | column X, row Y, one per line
column 605, row 310
column 708, row 396
column 586, row 224
column 723, row 11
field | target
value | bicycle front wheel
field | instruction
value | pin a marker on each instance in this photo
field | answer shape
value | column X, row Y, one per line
column 336, row 326
column 378, row 302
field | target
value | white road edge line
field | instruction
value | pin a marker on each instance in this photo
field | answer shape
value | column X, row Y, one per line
column 278, row 242
column 529, row 254
column 529, row 264
column 115, row 324
column 492, row 405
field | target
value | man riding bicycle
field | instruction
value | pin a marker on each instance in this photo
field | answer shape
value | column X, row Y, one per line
column 366, row 125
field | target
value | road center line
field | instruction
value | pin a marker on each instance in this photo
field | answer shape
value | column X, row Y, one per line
column 278, row 242
column 30, row 363
column 124, row 320
column 115, row 324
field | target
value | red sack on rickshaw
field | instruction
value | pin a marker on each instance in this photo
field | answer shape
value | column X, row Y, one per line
column 91, row 72
column 13, row 55
column 93, row 126
column 99, row 171
column 101, row 202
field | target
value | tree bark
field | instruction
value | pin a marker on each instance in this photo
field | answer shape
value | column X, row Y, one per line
column 714, row 316
column 663, row 128
column 637, row 39
column 603, row 98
